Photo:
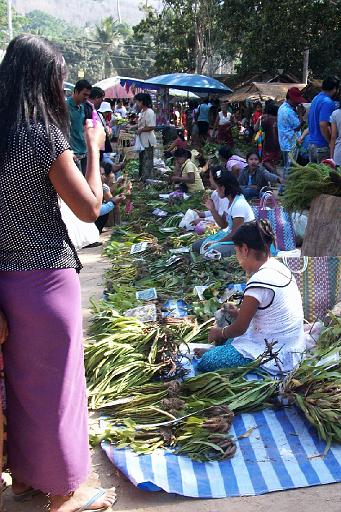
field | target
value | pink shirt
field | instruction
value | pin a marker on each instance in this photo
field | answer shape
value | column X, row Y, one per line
column 236, row 161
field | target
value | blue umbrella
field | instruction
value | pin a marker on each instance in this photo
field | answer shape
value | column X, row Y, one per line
column 189, row 82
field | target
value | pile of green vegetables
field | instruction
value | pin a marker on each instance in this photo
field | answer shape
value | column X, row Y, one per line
column 135, row 370
column 306, row 183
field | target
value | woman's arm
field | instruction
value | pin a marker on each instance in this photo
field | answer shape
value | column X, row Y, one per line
column 145, row 129
column 3, row 328
column 333, row 140
column 304, row 134
column 219, row 219
column 247, row 311
column 82, row 195
column 190, row 178
column 237, row 222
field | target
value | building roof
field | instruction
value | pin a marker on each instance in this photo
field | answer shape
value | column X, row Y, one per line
column 262, row 91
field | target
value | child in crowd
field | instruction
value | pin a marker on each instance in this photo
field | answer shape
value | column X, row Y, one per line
column 254, row 176
column 233, row 163
column 186, row 172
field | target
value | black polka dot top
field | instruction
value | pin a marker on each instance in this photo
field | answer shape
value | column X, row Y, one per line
column 32, row 233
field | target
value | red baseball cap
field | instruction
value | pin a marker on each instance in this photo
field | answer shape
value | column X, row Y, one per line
column 295, row 95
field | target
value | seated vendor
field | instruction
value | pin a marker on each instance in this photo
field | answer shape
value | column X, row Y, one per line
column 254, row 176
column 233, row 163
column 238, row 211
column 217, row 206
column 186, row 172
column 178, row 143
column 271, row 310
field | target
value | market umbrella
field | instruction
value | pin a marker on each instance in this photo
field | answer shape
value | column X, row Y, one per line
column 68, row 86
column 113, row 87
column 189, row 82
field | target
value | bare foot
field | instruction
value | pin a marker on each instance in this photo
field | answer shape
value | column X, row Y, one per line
column 78, row 500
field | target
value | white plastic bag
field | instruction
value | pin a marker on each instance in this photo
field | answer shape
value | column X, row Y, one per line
column 138, row 144
column 300, row 221
column 81, row 233
column 188, row 218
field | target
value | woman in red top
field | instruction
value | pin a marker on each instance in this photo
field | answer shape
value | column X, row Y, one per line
column 257, row 114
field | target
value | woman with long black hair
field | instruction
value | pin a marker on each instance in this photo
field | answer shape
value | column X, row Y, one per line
column 39, row 285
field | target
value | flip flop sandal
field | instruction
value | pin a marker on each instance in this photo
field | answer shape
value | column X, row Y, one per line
column 97, row 496
column 26, row 496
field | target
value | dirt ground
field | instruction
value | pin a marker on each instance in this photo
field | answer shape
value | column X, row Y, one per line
column 104, row 474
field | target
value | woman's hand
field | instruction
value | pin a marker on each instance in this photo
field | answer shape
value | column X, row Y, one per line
column 195, row 222
column 3, row 328
column 94, row 135
column 215, row 335
column 209, row 204
column 118, row 199
column 231, row 309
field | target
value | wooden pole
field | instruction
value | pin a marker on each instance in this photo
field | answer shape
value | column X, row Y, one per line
column 305, row 66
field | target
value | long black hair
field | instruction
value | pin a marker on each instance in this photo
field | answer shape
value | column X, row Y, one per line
column 225, row 152
column 145, row 99
column 31, row 88
column 256, row 235
column 225, row 179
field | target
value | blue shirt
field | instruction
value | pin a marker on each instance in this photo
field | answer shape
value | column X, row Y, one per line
column 287, row 122
column 321, row 109
column 77, row 119
column 203, row 110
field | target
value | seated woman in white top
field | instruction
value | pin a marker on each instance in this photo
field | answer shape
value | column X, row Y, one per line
column 238, row 211
column 220, row 204
column 271, row 310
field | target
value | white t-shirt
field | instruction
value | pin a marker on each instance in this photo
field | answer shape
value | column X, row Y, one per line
column 224, row 119
column 147, row 118
column 122, row 111
column 220, row 204
column 241, row 208
column 279, row 317
column 262, row 295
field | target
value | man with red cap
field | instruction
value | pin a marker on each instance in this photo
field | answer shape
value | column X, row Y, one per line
column 289, row 125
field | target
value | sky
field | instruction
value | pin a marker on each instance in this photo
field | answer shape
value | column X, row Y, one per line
column 79, row 12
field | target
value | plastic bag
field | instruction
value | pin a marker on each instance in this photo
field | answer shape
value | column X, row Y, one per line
column 138, row 144
column 81, row 233
column 188, row 218
column 300, row 221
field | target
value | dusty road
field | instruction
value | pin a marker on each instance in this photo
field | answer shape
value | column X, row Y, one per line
column 104, row 474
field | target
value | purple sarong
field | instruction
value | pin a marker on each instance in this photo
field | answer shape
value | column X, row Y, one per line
column 46, row 392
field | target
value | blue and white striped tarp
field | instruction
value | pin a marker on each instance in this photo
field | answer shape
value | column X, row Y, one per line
column 282, row 452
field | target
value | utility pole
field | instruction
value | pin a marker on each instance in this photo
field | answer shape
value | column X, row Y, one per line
column 9, row 19
column 119, row 11
column 305, row 66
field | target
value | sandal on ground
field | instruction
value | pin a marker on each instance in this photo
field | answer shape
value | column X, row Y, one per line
column 26, row 495
column 96, row 497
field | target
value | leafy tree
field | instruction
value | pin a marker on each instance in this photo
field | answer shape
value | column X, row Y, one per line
column 18, row 20
column 112, row 35
column 186, row 35
column 271, row 35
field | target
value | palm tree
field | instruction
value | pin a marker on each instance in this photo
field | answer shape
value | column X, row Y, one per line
column 110, row 33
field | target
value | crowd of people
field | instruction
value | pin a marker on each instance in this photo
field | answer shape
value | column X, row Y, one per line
column 52, row 150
